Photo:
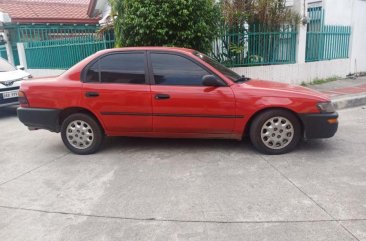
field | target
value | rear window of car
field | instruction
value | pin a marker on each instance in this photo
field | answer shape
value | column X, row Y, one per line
column 122, row 68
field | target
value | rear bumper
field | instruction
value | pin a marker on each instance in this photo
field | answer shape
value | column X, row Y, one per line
column 39, row 118
column 318, row 125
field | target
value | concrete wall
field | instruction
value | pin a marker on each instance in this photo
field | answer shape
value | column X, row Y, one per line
column 297, row 73
column 353, row 13
column 358, row 44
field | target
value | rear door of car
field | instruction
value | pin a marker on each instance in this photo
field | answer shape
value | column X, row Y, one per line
column 181, row 104
column 117, row 88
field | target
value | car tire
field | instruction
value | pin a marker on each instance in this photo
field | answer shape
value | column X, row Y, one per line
column 82, row 134
column 275, row 132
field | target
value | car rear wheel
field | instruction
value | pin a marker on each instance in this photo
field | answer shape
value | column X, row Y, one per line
column 82, row 134
column 275, row 132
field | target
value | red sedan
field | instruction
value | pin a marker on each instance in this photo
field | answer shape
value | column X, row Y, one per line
column 173, row 93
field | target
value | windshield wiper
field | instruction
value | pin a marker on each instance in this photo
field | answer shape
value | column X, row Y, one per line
column 242, row 79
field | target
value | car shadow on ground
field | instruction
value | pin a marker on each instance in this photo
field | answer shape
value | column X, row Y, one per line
column 8, row 111
column 156, row 144
column 120, row 144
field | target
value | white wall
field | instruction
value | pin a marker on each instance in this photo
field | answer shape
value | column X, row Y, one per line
column 351, row 13
column 338, row 12
column 297, row 73
column 358, row 43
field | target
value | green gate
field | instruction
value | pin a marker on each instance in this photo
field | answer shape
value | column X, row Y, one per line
column 61, row 46
column 3, row 53
column 64, row 53
column 325, row 42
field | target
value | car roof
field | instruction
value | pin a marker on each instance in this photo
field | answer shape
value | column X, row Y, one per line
column 144, row 48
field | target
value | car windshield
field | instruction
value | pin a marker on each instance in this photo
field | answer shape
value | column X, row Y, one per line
column 224, row 70
column 5, row 66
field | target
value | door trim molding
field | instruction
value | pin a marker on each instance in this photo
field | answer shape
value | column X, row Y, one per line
column 172, row 115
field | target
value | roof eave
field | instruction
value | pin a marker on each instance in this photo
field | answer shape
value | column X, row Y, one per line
column 91, row 8
column 51, row 20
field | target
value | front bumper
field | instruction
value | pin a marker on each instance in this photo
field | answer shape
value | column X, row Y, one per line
column 319, row 125
column 39, row 118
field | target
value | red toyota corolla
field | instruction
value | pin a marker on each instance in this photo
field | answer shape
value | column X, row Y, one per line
column 174, row 93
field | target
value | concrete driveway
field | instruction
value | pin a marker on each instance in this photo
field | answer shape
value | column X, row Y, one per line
column 160, row 189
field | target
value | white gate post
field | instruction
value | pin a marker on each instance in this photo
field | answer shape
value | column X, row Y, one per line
column 22, row 56
column 9, row 50
column 301, row 37
column 301, row 44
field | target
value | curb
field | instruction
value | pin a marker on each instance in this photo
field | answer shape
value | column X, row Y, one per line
column 349, row 101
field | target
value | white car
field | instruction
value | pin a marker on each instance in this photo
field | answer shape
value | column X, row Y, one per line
column 10, row 79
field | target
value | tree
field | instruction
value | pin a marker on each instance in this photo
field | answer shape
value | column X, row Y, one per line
column 181, row 23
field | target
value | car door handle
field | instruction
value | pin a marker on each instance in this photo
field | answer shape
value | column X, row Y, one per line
column 162, row 96
column 91, row 94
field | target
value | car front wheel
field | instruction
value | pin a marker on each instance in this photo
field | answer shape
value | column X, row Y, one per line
column 81, row 134
column 275, row 132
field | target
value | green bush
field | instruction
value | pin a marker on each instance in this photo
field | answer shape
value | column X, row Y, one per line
column 180, row 23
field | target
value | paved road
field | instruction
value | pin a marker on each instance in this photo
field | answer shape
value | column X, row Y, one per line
column 148, row 189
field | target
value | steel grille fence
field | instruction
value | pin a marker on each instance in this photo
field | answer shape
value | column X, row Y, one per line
column 3, row 53
column 60, row 47
column 325, row 42
column 251, row 45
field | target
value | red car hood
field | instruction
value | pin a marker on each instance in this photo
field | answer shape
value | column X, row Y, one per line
column 281, row 87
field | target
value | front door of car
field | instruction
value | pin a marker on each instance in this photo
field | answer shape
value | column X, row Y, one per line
column 116, row 87
column 181, row 104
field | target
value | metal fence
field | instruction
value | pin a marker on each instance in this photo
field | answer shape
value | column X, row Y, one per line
column 3, row 53
column 251, row 45
column 60, row 46
column 64, row 53
column 325, row 42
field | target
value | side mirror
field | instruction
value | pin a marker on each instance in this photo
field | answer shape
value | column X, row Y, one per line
column 211, row 80
column 20, row 67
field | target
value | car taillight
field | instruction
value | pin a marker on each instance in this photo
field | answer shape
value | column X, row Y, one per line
column 22, row 99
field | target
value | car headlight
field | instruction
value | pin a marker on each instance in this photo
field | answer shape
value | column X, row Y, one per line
column 326, row 107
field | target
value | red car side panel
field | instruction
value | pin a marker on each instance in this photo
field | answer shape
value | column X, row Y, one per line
column 194, row 109
column 121, row 107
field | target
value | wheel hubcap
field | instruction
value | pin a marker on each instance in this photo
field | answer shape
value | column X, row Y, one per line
column 277, row 132
column 79, row 134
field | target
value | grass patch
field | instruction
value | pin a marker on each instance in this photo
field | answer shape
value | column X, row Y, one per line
column 320, row 81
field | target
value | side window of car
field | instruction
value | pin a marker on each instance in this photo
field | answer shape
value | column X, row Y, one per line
column 122, row 68
column 170, row 69
column 92, row 75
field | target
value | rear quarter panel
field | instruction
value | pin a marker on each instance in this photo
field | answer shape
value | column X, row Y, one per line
column 57, row 93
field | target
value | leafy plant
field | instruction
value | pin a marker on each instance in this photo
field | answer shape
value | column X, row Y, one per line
column 271, row 13
column 248, row 25
column 182, row 23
